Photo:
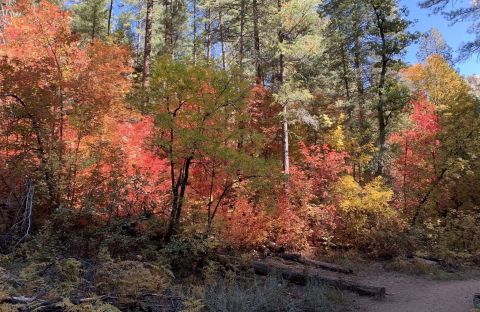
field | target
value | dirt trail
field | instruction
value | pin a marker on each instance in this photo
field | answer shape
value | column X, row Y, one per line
column 413, row 294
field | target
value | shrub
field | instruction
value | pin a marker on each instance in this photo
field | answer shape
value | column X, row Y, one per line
column 127, row 279
column 271, row 294
column 367, row 221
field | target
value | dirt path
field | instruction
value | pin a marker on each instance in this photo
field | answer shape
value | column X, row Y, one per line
column 413, row 294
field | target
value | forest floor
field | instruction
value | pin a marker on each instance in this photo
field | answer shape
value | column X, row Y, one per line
column 411, row 293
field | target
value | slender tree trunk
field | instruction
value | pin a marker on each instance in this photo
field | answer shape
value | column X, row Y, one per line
column 281, row 80
column 168, row 25
column 110, row 11
column 208, row 27
column 94, row 23
column 222, row 40
column 242, row 33
column 382, row 126
column 256, row 43
column 148, row 44
column 178, row 197
column 346, row 82
column 194, row 50
column 359, row 84
column 357, row 63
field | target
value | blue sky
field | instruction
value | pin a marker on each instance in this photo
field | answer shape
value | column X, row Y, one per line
column 454, row 34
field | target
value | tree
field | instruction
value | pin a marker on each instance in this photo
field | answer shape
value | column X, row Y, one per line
column 91, row 18
column 367, row 40
column 195, row 108
column 53, row 94
column 417, row 156
column 458, row 15
column 390, row 38
column 298, row 37
column 431, row 43
column 455, row 175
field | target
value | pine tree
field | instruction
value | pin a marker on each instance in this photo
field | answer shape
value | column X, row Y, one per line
column 90, row 18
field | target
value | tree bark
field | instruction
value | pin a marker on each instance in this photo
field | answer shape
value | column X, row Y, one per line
column 208, row 27
column 302, row 276
column 318, row 264
column 148, row 45
column 256, row 44
column 178, row 195
column 110, row 10
column 222, row 40
column 194, row 49
column 168, row 27
column 242, row 33
column 382, row 126
column 281, row 80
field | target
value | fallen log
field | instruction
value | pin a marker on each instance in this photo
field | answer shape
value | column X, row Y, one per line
column 318, row 264
column 18, row 300
column 301, row 276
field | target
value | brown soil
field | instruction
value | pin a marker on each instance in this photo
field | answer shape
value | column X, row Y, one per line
column 407, row 293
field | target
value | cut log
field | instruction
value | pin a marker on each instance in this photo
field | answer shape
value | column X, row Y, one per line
column 318, row 264
column 301, row 276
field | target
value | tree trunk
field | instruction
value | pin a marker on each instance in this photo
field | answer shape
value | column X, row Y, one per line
column 302, row 276
column 382, row 126
column 148, row 44
column 168, row 25
column 318, row 264
column 256, row 44
column 110, row 10
column 359, row 76
column 208, row 26
column 222, row 40
column 345, row 71
column 242, row 33
column 194, row 49
column 178, row 195
column 281, row 80
column 94, row 24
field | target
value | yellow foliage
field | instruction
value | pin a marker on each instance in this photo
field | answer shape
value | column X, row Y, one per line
column 367, row 219
column 442, row 83
column 373, row 198
column 129, row 280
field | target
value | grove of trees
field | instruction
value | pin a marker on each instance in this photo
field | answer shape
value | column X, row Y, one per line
column 242, row 122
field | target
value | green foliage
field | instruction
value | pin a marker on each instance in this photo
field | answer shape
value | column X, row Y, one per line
column 90, row 18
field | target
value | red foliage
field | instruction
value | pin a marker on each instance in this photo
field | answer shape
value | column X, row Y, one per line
column 323, row 166
column 246, row 227
column 413, row 168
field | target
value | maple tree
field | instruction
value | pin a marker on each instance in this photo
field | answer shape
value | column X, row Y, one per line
column 455, row 105
column 419, row 151
column 55, row 94
column 195, row 108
